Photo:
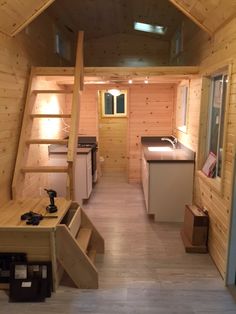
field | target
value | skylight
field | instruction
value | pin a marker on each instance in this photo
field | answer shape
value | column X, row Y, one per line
column 149, row 28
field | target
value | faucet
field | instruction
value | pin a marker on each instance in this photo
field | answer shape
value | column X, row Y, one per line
column 173, row 142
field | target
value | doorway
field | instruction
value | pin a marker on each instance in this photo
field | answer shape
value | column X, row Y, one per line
column 113, row 130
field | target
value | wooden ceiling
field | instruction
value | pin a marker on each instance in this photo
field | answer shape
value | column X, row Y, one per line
column 99, row 18
column 16, row 14
column 210, row 15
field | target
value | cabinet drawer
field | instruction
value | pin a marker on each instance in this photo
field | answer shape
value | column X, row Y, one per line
column 73, row 220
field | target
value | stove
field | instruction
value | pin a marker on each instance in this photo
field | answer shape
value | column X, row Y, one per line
column 87, row 142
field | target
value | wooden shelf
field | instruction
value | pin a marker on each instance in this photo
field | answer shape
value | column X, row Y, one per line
column 46, row 141
column 51, row 116
column 83, row 238
column 45, row 169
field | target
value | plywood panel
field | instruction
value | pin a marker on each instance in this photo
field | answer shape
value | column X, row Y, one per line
column 16, row 14
column 212, row 55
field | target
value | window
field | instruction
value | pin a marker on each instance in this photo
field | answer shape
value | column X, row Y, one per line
column 114, row 105
column 216, row 119
column 149, row 28
column 62, row 46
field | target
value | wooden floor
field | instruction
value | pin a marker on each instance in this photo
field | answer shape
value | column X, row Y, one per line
column 144, row 269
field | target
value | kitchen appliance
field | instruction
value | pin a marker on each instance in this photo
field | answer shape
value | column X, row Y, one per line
column 90, row 141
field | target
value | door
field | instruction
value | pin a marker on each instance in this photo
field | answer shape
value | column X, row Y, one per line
column 113, row 128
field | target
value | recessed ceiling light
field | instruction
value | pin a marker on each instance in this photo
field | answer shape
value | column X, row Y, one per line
column 146, row 81
column 150, row 28
column 130, row 81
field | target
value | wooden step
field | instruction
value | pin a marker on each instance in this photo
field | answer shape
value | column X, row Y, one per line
column 39, row 115
column 47, row 141
column 92, row 255
column 83, row 238
column 51, row 91
column 45, row 169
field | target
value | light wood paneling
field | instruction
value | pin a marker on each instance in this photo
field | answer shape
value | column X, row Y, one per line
column 104, row 17
column 15, row 14
column 209, row 15
column 16, row 57
column 150, row 114
column 126, row 50
column 212, row 55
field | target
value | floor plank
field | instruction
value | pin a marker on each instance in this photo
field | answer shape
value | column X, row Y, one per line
column 145, row 268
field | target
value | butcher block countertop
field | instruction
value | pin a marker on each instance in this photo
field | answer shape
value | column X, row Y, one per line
column 11, row 212
column 180, row 154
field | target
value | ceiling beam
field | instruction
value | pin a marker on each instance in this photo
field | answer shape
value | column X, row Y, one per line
column 120, row 71
column 190, row 16
column 141, row 71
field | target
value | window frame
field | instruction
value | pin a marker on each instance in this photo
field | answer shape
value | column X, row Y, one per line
column 213, row 78
column 215, row 183
column 183, row 107
column 115, row 114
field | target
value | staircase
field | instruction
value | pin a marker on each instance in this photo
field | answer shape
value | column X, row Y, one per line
column 26, row 140
column 77, row 243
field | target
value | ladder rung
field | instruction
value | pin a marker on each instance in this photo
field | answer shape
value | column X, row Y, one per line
column 47, row 141
column 45, row 169
column 38, row 115
column 83, row 238
column 51, row 91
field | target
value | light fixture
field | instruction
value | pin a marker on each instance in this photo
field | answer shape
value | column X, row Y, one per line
column 114, row 92
column 130, row 81
column 150, row 28
column 146, row 81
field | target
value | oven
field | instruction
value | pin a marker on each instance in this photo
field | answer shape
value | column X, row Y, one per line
column 90, row 141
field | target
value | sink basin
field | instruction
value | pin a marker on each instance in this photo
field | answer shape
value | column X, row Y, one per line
column 160, row 149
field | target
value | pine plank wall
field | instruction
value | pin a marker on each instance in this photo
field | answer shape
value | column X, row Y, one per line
column 212, row 54
column 35, row 46
column 150, row 113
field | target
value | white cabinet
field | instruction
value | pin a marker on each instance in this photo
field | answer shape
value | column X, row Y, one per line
column 167, row 187
column 83, row 171
column 83, row 175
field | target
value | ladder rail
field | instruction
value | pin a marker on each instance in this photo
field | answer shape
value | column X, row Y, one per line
column 27, row 123
column 75, row 114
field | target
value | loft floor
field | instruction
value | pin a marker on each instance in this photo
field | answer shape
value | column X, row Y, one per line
column 144, row 269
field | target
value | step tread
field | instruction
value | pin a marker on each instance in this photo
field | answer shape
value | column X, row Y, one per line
column 92, row 255
column 41, row 115
column 83, row 238
column 47, row 141
column 52, row 91
column 44, row 169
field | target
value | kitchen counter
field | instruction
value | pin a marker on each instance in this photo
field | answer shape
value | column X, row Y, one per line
column 180, row 154
column 62, row 149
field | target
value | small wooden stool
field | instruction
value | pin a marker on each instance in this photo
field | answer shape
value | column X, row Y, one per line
column 195, row 230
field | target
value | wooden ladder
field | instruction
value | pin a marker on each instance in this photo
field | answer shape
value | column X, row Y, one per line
column 25, row 138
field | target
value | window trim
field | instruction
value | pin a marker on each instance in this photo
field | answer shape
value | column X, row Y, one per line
column 115, row 115
column 215, row 183
column 183, row 127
